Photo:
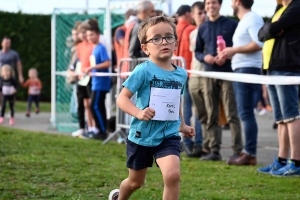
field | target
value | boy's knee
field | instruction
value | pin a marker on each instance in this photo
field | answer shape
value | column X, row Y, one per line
column 134, row 185
column 172, row 176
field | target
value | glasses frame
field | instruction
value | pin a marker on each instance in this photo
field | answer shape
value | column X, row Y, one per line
column 162, row 39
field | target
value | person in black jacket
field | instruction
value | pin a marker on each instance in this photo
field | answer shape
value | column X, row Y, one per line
column 281, row 54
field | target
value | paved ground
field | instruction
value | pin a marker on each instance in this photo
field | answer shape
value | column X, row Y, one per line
column 267, row 141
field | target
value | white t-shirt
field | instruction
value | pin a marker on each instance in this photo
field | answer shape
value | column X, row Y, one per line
column 245, row 33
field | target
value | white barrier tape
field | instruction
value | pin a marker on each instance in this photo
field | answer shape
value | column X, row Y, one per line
column 250, row 78
column 229, row 76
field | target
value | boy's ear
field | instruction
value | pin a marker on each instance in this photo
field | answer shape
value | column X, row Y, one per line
column 145, row 49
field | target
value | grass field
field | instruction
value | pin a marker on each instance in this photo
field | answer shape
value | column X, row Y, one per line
column 21, row 106
column 44, row 166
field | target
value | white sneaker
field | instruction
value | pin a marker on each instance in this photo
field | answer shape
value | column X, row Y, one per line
column 262, row 112
column 114, row 194
column 78, row 132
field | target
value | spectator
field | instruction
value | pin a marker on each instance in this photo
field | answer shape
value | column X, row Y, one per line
column 281, row 58
column 206, row 51
column 34, row 90
column 8, row 88
column 11, row 57
column 184, row 29
column 100, row 62
column 84, row 51
column 145, row 10
column 120, row 34
column 246, row 59
column 195, row 83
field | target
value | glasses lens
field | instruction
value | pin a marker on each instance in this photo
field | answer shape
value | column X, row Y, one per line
column 157, row 40
column 170, row 39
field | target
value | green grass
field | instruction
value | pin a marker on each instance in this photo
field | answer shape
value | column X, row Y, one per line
column 45, row 166
column 21, row 106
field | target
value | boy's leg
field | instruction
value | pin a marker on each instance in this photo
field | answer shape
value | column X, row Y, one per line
column 11, row 101
column 4, row 99
column 37, row 101
column 29, row 103
column 134, row 181
column 98, row 110
column 80, row 98
column 170, row 168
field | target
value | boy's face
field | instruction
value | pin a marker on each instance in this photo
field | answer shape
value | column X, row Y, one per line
column 164, row 50
column 92, row 37
column 199, row 16
column 32, row 74
column 82, row 35
column 212, row 7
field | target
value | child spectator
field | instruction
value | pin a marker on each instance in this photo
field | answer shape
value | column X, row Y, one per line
column 34, row 90
column 99, row 62
column 8, row 87
column 152, row 134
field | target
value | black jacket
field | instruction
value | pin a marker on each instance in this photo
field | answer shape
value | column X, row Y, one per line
column 286, row 50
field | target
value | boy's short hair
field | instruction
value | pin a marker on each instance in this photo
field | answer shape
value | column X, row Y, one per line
column 91, row 25
column 7, row 66
column 144, row 26
column 198, row 4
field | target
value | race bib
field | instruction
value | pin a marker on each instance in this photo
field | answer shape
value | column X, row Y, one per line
column 166, row 103
column 8, row 90
column 34, row 90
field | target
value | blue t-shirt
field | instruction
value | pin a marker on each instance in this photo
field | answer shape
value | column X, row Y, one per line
column 100, row 82
column 145, row 76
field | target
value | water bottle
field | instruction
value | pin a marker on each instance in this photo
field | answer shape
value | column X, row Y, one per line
column 221, row 43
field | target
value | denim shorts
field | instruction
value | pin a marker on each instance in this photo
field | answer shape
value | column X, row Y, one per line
column 140, row 157
column 284, row 98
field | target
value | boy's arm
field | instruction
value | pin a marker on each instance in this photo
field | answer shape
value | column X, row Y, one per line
column 103, row 65
column 125, row 104
column 39, row 84
column 26, row 83
column 188, row 131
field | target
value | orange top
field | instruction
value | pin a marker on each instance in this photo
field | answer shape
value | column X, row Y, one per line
column 84, row 51
column 183, row 29
column 34, row 86
column 118, row 47
column 125, row 65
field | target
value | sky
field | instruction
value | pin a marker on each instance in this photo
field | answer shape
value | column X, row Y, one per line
column 261, row 7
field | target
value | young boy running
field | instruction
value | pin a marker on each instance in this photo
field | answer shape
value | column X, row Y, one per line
column 156, row 117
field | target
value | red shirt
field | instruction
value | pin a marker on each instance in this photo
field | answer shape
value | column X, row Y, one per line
column 183, row 29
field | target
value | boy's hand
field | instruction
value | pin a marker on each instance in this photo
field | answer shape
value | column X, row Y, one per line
column 187, row 131
column 87, row 70
column 146, row 115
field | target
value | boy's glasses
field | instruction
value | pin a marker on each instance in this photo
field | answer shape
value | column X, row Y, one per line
column 159, row 40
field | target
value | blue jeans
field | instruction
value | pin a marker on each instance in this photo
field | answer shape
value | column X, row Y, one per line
column 246, row 95
column 284, row 98
column 187, row 114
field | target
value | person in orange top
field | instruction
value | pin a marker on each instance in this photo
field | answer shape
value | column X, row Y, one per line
column 34, row 90
column 84, row 51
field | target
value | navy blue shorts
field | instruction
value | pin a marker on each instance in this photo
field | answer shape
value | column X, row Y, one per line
column 140, row 157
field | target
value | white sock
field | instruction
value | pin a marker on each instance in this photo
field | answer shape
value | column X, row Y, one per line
column 95, row 130
column 90, row 129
